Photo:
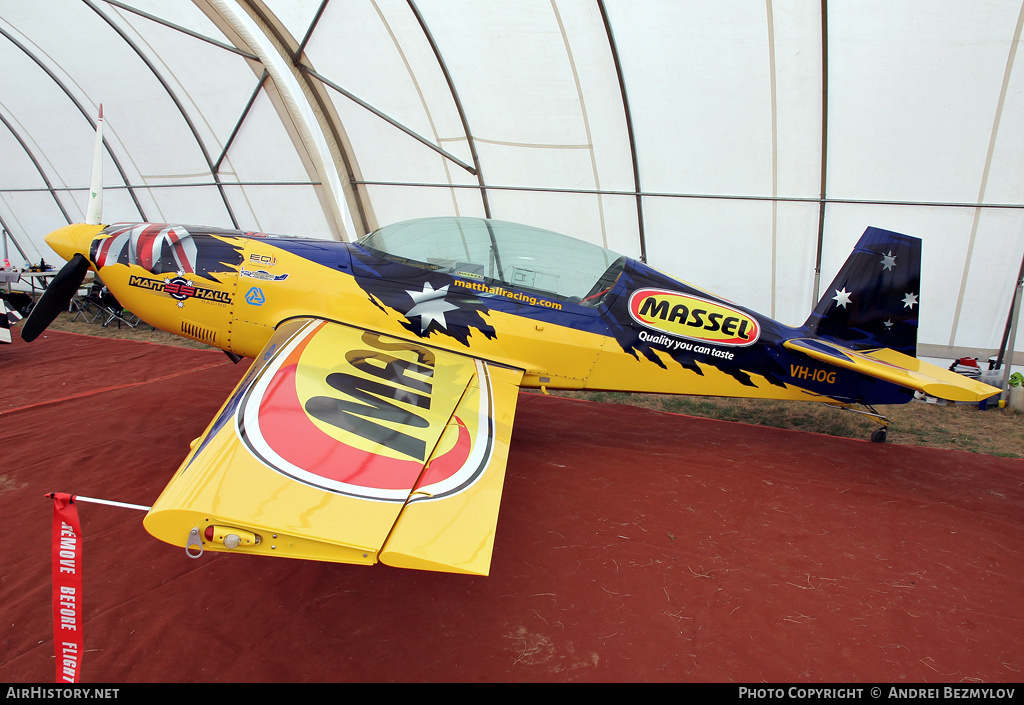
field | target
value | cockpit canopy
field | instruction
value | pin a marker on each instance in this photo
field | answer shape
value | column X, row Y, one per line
column 510, row 254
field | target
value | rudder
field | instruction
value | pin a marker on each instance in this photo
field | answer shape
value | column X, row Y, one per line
column 873, row 301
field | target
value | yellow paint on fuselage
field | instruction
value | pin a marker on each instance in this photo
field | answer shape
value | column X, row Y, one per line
column 552, row 356
column 543, row 350
column 145, row 294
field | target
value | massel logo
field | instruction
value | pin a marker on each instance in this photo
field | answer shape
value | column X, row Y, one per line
column 692, row 317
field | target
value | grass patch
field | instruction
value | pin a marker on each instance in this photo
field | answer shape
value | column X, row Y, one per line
column 998, row 432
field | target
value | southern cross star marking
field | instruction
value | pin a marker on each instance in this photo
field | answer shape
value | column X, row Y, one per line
column 888, row 324
column 909, row 300
column 188, row 283
column 888, row 261
column 430, row 306
column 842, row 297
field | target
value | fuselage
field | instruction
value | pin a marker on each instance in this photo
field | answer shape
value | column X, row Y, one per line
column 630, row 329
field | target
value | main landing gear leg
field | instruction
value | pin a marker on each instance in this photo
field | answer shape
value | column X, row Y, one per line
column 879, row 435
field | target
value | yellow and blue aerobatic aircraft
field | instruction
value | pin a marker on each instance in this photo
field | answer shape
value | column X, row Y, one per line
column 374, row 422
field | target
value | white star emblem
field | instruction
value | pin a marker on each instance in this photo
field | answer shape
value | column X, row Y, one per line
column 888, row 260
column 887, row 324
column 842, row 297
column 430, row 306
column 909, row 300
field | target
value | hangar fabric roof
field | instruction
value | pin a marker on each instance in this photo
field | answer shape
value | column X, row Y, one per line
column 742, row 145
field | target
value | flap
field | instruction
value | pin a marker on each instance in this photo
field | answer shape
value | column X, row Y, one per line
column 895, row 367
column 318, row 449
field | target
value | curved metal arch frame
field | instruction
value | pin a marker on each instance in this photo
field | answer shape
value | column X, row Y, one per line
column 483, row 186
column 293, row 50
column 628, row 114
column 307, row 72
column 177, row 103
column 259, row 87
column 85, row 113
column 313, row 79
column 38, row 166
column 221, row 45
column 348, row 159
column 290, row 50
column 458, row 105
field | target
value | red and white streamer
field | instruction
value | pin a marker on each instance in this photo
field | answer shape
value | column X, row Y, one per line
column 68, row 640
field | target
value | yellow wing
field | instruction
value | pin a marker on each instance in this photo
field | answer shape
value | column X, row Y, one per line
column 897, row 368
column 344, row 445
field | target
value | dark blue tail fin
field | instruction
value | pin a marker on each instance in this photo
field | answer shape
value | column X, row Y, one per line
column 873, row 301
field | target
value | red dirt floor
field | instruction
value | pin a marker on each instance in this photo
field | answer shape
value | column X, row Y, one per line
column 632, row 546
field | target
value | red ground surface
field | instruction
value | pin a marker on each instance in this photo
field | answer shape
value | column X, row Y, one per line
column 632, row 546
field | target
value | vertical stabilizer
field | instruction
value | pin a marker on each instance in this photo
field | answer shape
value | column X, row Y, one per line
column 874, row 300
column 94, row 210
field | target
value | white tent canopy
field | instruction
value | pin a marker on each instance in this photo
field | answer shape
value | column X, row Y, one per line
column 742, row 145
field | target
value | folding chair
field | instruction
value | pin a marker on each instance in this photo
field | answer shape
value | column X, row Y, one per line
column 106, row 306
column 80, row 304
column 115, row 311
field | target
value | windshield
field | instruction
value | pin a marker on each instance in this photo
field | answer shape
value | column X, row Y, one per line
column 498, row 252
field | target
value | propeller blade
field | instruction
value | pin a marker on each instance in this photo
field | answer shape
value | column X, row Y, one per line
column 56, row 297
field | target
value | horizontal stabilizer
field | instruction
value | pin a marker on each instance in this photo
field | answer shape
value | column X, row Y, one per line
column 897, row 368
